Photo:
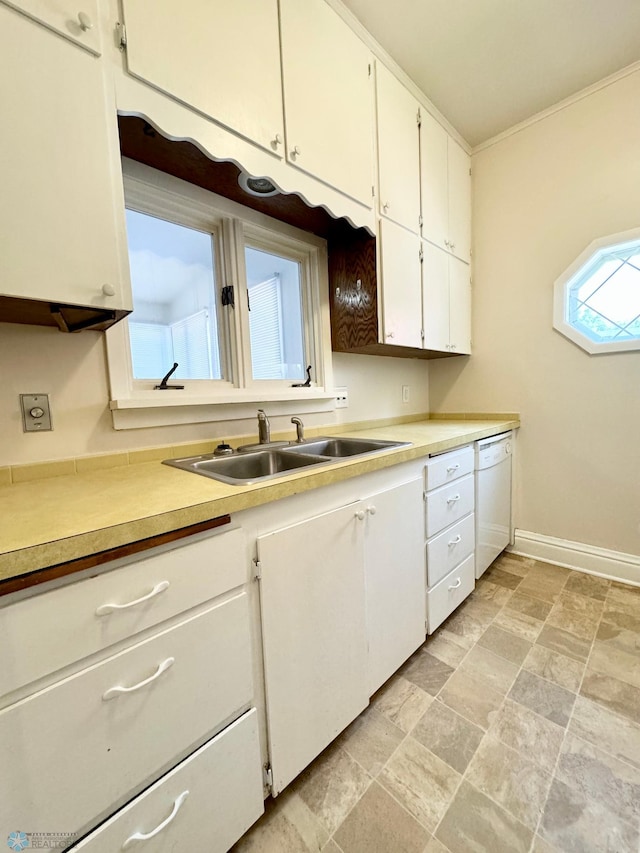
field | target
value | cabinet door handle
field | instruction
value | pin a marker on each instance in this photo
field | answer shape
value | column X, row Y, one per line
column 277, row 140
column 104, row 609
column 114, row 692
column 453, row 499
column 453, row 468
column 141, row 836
column 455, row 541
column 85, row 21
column 295, row 151
column 386, row 206
column 360, row 515
column 456, row 585
column 371, row 510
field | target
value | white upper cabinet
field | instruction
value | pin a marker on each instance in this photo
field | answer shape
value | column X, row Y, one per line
column 398, row 151
column 401, row 286
column 446, row 190
column 459, row 307
column 62, row 212
column 446, row 301
column 327, row 97
column 75, row 21
column 222, row 59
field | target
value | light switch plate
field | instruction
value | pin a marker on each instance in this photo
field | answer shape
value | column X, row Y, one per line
column 36, row 412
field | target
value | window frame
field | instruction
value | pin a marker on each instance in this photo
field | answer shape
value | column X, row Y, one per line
column 134, row 402
column 561, row 297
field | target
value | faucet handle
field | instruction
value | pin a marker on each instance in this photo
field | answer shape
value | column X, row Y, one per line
column 299, row 429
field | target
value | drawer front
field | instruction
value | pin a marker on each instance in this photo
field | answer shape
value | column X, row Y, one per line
column 451, row 591
column 447, row 467
column 82, row 620
column 449, row 504
column 84, row 748
column 449, row 548
column 206, row 803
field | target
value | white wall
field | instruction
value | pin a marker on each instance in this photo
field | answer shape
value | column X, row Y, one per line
column 72, row 370
column 540, row 196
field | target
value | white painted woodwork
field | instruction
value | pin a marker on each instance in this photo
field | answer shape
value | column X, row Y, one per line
column 62, row 212
column 224, row 783
column 312, row 593
column 222, row 59
column 434, row 181
column 459, row 306
column 451, row 591
column 435, row 297
column 459, row 166
column 196, row 571
column 395, row 578
column 398, row 151
column 447, row 549
column 399, row 252
column 327, row 97
column 446, row 467
column 448, row 504
column 77, row 21
column 80, row 756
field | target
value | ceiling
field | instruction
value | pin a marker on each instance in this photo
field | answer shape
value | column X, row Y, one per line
column 490, row 64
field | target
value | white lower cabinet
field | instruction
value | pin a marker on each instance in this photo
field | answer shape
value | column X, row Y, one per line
column 206, row 803
column 447, row 594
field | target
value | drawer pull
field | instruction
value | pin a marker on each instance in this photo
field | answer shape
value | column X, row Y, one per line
column 453, row 468
column 142, row 836
column 455, row 541
column 456, row 585
column 104, row 609
column 114, row 692
column 453, row 499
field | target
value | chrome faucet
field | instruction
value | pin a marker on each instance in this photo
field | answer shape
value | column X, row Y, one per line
column 299, row 429
column 264, row 428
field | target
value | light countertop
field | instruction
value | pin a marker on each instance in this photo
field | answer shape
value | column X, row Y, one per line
column 47, row 522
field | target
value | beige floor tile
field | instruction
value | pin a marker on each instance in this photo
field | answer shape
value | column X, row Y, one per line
column 450, row 648
column 502, row 577
column 475, row 823
column 434, row 846
column 616, row 695
column 515, row 564
column 487, row 591
column 571, row 822
column 288, row 826
column 619, row 638
column 496, row 671
column 519, row 624
column 571, row 601
column 624, row 615
column 615, row 663
column 601, row 778
column 371, row 739
column 549, row 573
column 555, row 667
column 511, row 779
column 420, row 781
column 601, row 727
column 471, row 621
column 379, row 825
column 331, row 847
column 448, row 735
column 472, row 697
column 563, row 642
column 505, row 644
column 624, row 597
column 568, row 615
column 542, row 846
column 543, row 697
column 426, row 671
column 529, row 606
column 588, row 585
column 401, row 702
column 331, row 786
column 530, row 734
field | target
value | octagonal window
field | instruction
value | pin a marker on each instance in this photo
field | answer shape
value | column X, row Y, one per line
column 597, row 300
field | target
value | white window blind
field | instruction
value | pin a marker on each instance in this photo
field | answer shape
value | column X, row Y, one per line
column 192, row 346
column 151, row 351
column 265, row 327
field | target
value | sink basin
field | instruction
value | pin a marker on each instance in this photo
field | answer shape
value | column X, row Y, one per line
column 246, row 468
column 338, row 448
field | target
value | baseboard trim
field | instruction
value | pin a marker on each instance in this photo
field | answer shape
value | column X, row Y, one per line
column 614, row 565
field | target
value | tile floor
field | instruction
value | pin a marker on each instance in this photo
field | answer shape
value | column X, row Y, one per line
column 515, row 727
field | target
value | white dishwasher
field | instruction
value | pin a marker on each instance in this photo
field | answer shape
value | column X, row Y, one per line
column 493, row 498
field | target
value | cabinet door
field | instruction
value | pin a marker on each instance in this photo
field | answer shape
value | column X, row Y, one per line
column 434, row 181
column 435, row 296
column 313, row 629
column 398, row 151
column 459, row 306
column 327, row 97
column 401, row 290
column 395, row 578
column 75, row 21
column 62, row 213
column 222, row 59
column 459, row 201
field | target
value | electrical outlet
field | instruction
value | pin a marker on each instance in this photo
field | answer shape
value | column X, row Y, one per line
column 36, row 413
column 405, row 393
column 342, row 398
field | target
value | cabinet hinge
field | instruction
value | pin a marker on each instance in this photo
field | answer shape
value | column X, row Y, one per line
column 419, row 118
column 422, row 334
column 257, row 570
column 420, row 221
column 469, row 172
column 373, row 191
column 121, row 33
column 227, row 296
column 369, row 66
column 421, row 254
column 267, row 775
column 424, row 496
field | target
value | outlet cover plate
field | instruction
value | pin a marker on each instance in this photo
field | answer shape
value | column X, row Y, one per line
column 35, row 403
column 342, row 398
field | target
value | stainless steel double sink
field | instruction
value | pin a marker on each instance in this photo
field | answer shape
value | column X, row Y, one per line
column 243, row 468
